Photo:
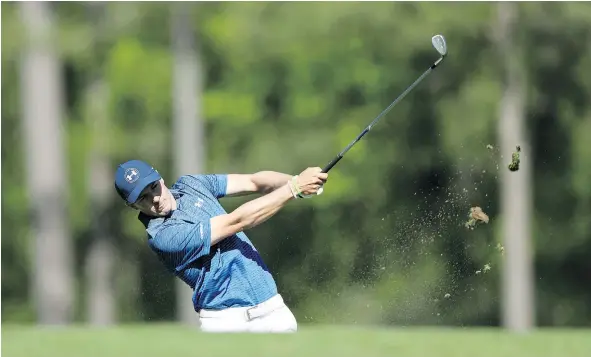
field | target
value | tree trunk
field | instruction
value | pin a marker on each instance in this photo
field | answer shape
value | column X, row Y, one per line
column 517, row 276
column 187, row 122
column 100, row 294
column 46, row 167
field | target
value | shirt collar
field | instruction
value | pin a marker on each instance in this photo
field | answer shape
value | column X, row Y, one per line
column 176, row 193
column 145, row 219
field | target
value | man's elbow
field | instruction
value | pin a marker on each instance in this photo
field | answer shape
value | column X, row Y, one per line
column 264, row 190
column 241, row 222
column 227, row 225
column 264, row 182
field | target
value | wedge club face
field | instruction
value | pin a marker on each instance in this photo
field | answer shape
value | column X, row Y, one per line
column 438, row 42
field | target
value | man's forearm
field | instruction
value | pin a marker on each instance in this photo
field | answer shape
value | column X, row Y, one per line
column 268, row 181
column 249, row 214
column 257, row 211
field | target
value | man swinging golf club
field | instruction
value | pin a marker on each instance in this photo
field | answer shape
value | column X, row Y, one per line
column 206, row 247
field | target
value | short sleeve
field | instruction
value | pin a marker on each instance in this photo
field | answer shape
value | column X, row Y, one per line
column 216, row 183
column 180, row 244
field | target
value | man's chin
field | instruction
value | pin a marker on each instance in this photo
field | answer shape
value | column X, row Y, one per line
column 163, row 213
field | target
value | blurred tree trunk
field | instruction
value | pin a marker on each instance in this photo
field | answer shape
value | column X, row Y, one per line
column 517, row 277
column 46, row 166
column 188, row 129
column 100, row 295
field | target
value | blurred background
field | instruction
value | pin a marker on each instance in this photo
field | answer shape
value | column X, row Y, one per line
column 237, row 87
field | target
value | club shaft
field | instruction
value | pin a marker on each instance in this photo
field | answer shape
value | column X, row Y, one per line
column 384, row 112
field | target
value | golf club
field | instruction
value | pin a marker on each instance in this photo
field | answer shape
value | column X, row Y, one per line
column 438, row 42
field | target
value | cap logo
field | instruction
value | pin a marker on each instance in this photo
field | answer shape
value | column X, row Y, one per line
column 132, row 175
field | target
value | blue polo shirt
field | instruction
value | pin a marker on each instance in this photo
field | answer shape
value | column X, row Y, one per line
column 228, row 274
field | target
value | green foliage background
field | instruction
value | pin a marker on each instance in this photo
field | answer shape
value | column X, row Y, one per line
column 288, row 85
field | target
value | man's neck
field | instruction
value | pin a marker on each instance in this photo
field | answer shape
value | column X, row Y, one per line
column 174, row 195
column 174, row 203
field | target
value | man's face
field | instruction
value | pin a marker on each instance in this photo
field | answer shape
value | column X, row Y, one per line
column 155, row 200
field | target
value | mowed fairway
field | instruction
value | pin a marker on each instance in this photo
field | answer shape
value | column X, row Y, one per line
column 170, row 340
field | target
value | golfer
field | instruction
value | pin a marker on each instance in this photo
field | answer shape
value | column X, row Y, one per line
column 206, row 247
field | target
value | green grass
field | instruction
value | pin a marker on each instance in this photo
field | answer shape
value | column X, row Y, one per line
column 171, row 340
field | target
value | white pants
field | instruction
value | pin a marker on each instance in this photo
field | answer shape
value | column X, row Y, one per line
column 271, row 316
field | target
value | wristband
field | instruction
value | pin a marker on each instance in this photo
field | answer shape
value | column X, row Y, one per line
column 296, row 186
column 293, row 190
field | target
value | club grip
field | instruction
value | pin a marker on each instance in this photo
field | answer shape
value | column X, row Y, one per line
column 332, row 163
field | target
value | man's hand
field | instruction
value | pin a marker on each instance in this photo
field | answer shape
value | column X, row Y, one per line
column 310, row 181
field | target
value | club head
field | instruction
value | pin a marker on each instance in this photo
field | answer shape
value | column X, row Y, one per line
column 438, row 42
